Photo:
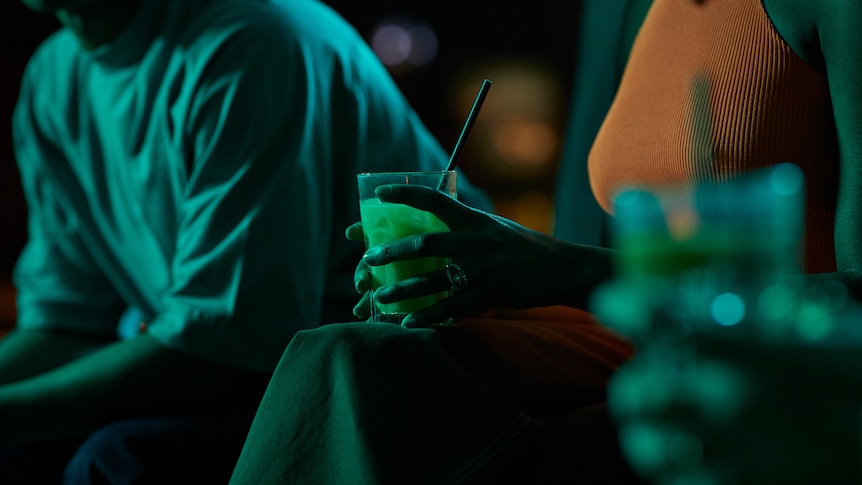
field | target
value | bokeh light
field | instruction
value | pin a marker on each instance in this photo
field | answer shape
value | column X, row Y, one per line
column 515, row 144
column 517, row 136
column 773, row 303
column 521, row 140
column 403, row 43
column 814, row 320
column 787, row 179
column 728, row 309
column 392, row 44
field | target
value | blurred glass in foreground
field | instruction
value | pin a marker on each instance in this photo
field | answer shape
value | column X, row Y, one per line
column 725, row 387
column 718, row 255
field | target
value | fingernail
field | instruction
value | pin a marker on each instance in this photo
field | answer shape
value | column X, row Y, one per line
column 372, row 255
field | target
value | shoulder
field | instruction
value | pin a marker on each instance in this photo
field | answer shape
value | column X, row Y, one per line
column 278, row 41
column 795, row 21
column 270, row 25
column 47, row 85
column 55, row 55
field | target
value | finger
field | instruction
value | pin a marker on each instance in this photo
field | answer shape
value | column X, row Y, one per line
column 363, row 308
column 435, row 244
column 354, row 232
column 457, row 304
column 361, row 278
column 453, row 213
column 415, row 287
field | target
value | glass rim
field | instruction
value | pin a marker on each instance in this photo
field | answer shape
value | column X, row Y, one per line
column 421, row 172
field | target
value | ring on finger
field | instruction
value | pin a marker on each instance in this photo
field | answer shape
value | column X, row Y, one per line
column 457, row 276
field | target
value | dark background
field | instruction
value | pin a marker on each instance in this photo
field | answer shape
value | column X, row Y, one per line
column 470, row 33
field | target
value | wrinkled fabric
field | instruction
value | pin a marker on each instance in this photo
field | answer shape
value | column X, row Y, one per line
column 367, row 403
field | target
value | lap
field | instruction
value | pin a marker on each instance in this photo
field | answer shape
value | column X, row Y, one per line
column 376, row 403
column 373, row 403
column 545, row 361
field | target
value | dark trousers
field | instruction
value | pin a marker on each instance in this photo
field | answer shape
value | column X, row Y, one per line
column 185, row 449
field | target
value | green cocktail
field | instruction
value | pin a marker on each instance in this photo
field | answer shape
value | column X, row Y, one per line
column 384, row 222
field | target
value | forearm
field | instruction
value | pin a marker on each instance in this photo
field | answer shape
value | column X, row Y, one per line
column 123, row 379
column 23, row 352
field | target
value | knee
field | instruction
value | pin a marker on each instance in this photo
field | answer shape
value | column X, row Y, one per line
column 322, row 347
column 346, row 344
column 330, row 341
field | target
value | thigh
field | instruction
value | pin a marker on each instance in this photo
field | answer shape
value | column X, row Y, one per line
column 200, row 448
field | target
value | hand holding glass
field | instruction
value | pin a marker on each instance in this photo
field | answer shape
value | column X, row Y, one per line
column 384, row 222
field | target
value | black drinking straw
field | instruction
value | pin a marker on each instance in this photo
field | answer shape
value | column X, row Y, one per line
column 474, row 112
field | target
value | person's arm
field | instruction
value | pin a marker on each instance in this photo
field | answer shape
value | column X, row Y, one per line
column 838, row 28
column 507, row 265
column 119, row 380
column 65, row 288
column 826, row 34
column 23, row 354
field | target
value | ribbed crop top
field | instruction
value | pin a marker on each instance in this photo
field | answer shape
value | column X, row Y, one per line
column 765, row 106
